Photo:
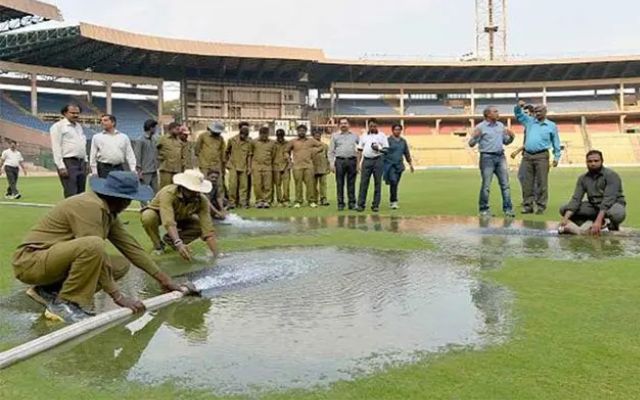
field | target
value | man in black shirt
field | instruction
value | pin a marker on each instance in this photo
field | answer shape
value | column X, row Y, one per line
column 605, row 199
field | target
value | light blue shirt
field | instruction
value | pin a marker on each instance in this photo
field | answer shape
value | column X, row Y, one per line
column 493, row 137
column 541, row 135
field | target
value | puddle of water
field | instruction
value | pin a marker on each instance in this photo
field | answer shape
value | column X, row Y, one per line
column 302, row 317
column 298, row 318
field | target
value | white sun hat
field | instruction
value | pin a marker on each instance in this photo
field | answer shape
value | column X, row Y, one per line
column 193, row 180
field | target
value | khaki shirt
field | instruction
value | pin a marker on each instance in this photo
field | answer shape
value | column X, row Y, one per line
column 238, row 153
column 187, row 155
column 303, row 151
column 174, row 208
column 263, row 155
column 87, row 215
column 321, row 161
column 281, row 157
column 210, row 151
column 170, row 154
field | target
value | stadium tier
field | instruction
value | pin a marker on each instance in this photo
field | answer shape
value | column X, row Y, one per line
column 131, row 114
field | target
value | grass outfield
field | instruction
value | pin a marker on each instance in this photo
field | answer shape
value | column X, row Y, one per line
column 575, row 334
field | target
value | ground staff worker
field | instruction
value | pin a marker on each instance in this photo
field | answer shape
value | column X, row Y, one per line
column 64, row 255
column 263, row 155
column 183, row 209
column 170, row 154
column 281, row 170
column 210, row 151
column 302, row 149
column 238, row 156
column 321, row 170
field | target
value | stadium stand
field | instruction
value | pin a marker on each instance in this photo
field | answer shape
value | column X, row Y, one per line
column 12, row 111
column 365, row 107
column 430, row 107
column 575, row 104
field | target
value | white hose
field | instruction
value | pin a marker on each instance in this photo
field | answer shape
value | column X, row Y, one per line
column 46, row 342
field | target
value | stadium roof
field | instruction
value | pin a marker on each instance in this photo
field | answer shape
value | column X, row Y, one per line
column 98, row 49
column 11, row 9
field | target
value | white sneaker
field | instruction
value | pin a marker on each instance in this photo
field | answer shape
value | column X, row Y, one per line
column 394, row 205
column 313, row 205
column 297, row 205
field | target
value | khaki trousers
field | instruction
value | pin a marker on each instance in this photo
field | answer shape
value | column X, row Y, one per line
column 238, row 188
column 320, row 186
column 262, row 185
column 189, row 230
column 78, row 267
column 282, row 183
column 306, row 176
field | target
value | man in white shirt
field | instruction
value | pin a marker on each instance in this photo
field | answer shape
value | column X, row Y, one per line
column 372, row 146
column 69, row 147
column 111, row 150
column 11, row 159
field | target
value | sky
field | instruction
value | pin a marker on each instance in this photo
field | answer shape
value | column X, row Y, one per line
column 353, row 29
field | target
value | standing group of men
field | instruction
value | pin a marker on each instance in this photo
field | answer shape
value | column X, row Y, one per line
column 605, row 204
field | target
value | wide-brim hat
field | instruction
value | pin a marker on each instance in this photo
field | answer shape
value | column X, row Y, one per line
column 121, row 184
column 216, row 127
column 193, row 180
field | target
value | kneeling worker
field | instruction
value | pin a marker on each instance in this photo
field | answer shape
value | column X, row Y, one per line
column 183, row 210
column 605, row 200
column 64, row 255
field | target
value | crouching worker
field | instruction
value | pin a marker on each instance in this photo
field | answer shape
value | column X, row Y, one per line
column 183, row 210
column 605, row 204
column 65, row 255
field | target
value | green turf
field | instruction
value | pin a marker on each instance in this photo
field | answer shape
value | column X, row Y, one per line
column 575, row 323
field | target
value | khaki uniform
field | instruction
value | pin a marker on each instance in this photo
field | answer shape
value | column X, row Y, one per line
column 188, row 159
column 67, row 248
column 170, row 209
column 281, row 173
column 171, row 155
column 321, row 168
column 302, row 151
column 210, row 152
column 238, row 156
column 262, row 169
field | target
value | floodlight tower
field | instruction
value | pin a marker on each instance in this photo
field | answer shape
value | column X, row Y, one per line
column 491, row 29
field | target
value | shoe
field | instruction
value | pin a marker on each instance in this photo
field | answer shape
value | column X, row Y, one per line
column 340, row 208
column 394, row 205
column 509, row 214
column 352, row 207
column 266, row 205
column 247, row 206
column 485, row 214
column 65, row 311
column 17, row 196
column 359, row 209
column 40, row 295
column 540, row 211
column 313, row 205
column 527, row 211
column 325, row 203
column 297, row 205
column 375, row 209
column 259, row 205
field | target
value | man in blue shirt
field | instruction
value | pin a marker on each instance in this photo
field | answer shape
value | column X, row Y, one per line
column 491, row 136
column 542, row 135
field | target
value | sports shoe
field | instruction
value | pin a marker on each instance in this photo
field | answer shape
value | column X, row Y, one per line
column 65, row 311
column 526, row 210
column 359, row 209
column 313, row 205
column 17, row 196
column 40, row 295
column 509, row 214
column 266, row 205
column 297, row 205
column 375, row 209
column 259, row 205
column 485, row 214
column 394, row 205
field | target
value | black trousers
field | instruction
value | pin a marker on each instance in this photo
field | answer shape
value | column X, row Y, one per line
column 76, row 182
column 12, row 179
column 371, row 166
column 346, row 171
column 104, row 169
